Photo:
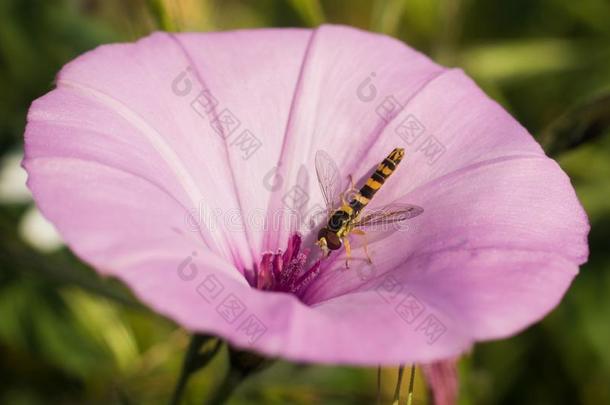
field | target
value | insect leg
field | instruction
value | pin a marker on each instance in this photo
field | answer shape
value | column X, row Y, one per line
column 351, row 190
column 351, row 182
column 360, row 232
column 348, row 251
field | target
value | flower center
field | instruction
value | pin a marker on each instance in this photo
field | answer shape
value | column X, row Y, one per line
column 285, row 271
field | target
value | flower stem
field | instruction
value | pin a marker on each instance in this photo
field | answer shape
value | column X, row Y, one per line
column 411, row 384
column 194, row 359
column 401, row 370
column 241, row 365
column 378, row 401
column 229, row 384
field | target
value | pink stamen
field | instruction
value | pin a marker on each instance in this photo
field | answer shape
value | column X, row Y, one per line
column 286, row 271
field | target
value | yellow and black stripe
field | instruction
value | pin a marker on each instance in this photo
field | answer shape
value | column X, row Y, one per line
column 350, row 211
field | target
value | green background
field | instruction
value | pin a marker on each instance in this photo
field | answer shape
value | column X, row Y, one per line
column 68, row 337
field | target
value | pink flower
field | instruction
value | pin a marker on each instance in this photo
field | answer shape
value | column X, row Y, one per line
column 223, row 129
column 442, row 377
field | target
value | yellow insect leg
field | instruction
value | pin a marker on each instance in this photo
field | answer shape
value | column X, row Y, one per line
column 351, row 182
column 343, row 200
column 360, row 232
column 348, row 251
column 351, row 190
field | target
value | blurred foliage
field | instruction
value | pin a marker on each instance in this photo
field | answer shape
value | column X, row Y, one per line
column 67, row 336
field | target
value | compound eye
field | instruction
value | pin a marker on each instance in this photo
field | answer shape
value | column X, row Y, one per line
column 333, row 241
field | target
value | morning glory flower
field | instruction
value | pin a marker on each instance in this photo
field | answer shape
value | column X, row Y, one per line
column 184, row 165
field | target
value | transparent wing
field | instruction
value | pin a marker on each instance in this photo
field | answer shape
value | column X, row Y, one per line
column 385, row 217
column 329, row 179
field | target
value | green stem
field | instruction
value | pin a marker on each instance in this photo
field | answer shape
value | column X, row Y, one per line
column 193, row 361
column 231, row 381
column 179, row 390
column 411, row 384
column 401, row 370
column 242, row 364
column 378, row 401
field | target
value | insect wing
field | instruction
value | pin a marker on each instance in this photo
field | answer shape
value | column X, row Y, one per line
column 328, row 178
column 381, row 218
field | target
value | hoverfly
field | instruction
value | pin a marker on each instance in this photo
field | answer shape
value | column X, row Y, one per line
column 345, row 217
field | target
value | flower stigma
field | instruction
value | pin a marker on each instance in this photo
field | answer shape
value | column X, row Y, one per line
column 285, row 271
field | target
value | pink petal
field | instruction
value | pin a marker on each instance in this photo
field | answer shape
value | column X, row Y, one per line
column 442, row 377
column 495, row 250
column 334, row 109
column 120, row 162
column 121, row 99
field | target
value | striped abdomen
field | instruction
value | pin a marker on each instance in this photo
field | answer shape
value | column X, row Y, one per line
column 350, row 211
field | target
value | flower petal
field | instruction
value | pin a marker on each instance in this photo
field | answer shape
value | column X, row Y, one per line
column 345, row 77
column 138, row 107
column 124, row 159
column 491, row 190
column 495, row 250
column 442, row 378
